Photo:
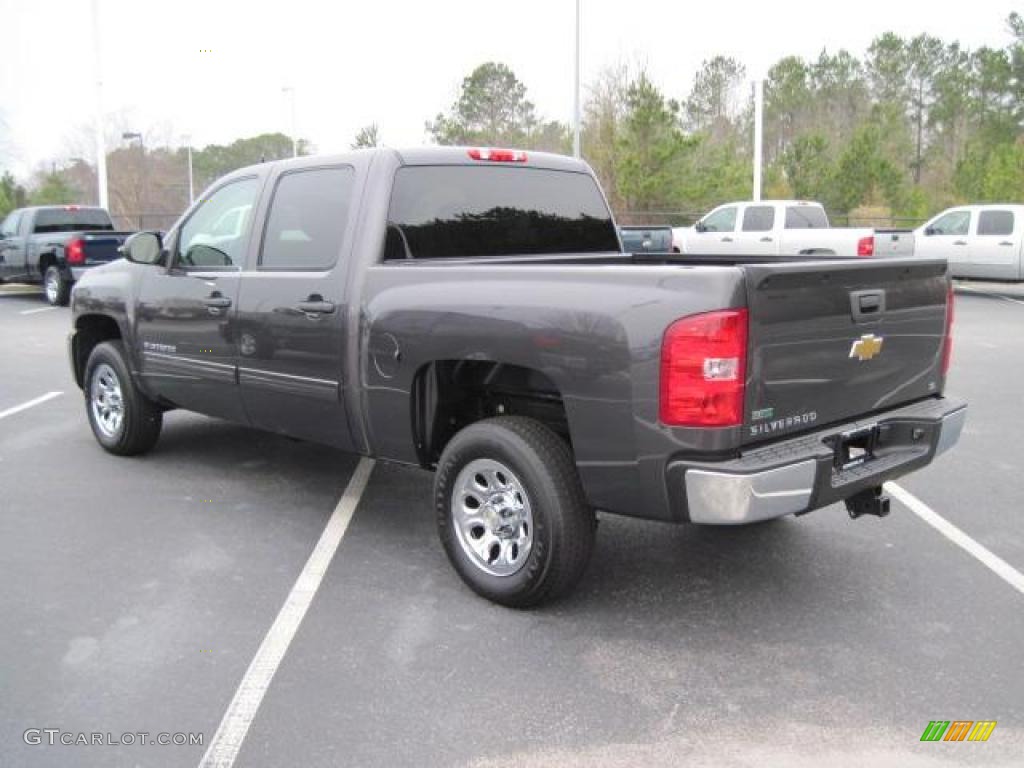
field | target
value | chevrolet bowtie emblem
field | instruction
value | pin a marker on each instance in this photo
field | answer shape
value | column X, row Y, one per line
column 866, row 347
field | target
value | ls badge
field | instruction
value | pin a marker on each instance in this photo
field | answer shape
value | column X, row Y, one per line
column 866, row 347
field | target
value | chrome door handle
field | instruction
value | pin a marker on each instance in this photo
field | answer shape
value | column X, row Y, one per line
column 959, row 242
column 766, row 239
column 1006, row 242
column 726, row 239
column 315, row 307
column 217, row 302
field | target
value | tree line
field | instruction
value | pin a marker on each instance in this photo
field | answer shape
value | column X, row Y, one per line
column 911, row 126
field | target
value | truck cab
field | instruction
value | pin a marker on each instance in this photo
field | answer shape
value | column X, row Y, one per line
column 978, row 241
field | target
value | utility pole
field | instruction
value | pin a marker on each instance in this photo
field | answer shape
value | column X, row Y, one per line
column 758, row 134
column 576, row 91
column 101, row 149
column 191, row 188
column 290, row 90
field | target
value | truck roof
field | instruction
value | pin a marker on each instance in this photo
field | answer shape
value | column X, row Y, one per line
column 67, row 207
column 435, row 155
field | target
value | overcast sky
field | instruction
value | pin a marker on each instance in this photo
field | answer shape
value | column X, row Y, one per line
column 215, row 69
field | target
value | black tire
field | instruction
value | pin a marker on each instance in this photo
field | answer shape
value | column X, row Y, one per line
column 141, row 419
column 56, row 287
column 563, row 523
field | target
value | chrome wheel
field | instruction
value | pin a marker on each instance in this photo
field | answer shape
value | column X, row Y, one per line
column 51, row 285
column 106, row 401
column 492, row 517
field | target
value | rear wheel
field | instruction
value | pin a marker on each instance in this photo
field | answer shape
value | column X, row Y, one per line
column 511, row 512
column 56, row 287
column 123, row 420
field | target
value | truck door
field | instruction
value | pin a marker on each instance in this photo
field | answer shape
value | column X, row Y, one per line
column 715, row 233
column 757, row 236
column 292, row 313
column 995, row 246
column 185, row 313
column 12, row 246
column 947, row 238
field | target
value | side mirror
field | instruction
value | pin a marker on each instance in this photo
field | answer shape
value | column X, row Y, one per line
column 929, row 231
column 700, row 226
column 143, row 248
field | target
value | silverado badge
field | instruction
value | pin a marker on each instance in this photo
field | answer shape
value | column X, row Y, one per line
column 866, row 347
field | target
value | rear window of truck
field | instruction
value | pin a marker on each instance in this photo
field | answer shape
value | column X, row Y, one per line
column 460, row 211
column 72, row 220
column 805, row 217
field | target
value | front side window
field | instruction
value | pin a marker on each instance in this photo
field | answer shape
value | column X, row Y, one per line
column 722, row 220
column 995, row 223
column 480, row 211
column 215, row 235
column 952, row 223
column 306, row 223
column 758, row 218
column 10, row 226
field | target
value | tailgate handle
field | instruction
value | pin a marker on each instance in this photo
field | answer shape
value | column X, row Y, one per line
column 867, row 305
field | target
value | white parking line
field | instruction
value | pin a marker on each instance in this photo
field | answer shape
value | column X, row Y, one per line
column 993, row 562
column 34, row 311
column 227, row 741
column 24, row 406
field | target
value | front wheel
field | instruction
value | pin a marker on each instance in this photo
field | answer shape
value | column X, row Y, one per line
column 123, row 420
column 511, row 512
column 56, row 287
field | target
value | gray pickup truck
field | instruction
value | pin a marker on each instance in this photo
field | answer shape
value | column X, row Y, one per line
column 55, row 245
column 471, row 311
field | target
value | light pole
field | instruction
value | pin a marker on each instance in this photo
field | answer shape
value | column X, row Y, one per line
column 191, row 188
column 758, row 135
column 128, row 136
column 101, row 149
column 576, row 91
column 295, row 141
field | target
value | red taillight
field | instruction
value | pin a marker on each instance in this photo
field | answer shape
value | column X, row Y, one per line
column 498, row 155
column 74, row 251
column 703, row 370
column 866, row 246
column 947, row 341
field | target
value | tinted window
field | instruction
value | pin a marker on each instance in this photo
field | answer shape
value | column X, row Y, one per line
column 758, row 218
column 10, row 226
column 307, row 219
column 954, row 223
column 995, row 223
column 722, row 220
column 72, row 220
column 215, row 234
column 450, row 211
column 805, row 217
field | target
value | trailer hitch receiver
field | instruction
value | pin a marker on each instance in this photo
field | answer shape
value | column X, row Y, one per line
column 868, row 502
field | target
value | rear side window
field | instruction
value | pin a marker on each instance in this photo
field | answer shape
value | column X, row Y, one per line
column 306, row 223
column 456, row 211
column 995, row 223
column 805, row 217
column 758, row 218
column 72, row 220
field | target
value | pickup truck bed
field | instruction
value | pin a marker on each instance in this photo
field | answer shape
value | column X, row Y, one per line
column 474, row 316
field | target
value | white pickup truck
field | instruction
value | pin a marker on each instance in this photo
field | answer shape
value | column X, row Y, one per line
column 985, row 241
column 785, row 228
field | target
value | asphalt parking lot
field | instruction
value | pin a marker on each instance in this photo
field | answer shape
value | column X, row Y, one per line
column 137, row 592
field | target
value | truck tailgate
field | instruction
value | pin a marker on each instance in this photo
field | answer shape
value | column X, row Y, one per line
column 101, row 247
column 894, row 242
column 834, row 340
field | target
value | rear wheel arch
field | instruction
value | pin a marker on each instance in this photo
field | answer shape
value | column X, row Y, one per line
column 448, row 395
